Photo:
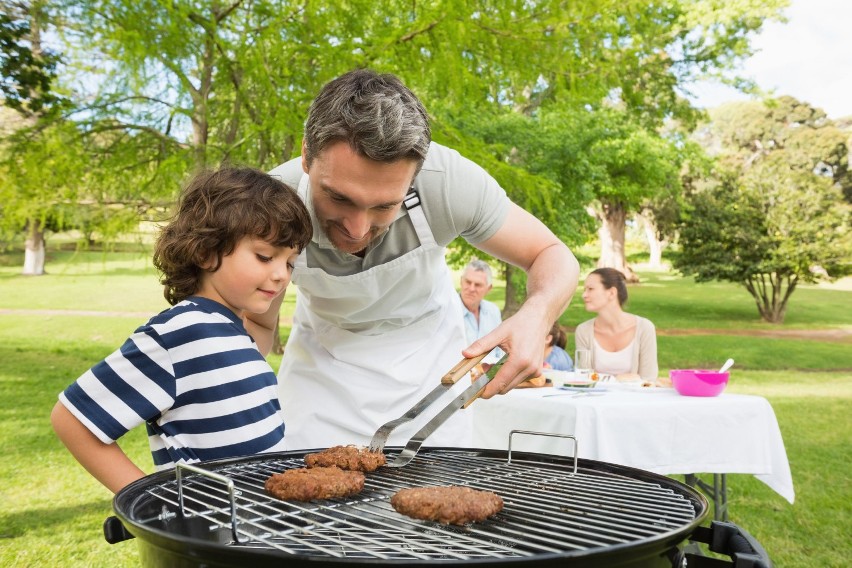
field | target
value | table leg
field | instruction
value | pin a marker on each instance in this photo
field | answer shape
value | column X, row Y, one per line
column 717, row 492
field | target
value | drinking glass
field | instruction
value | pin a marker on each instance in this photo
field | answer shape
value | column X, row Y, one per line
column 583, row 363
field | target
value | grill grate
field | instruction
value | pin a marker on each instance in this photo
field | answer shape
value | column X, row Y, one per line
column 547, row 509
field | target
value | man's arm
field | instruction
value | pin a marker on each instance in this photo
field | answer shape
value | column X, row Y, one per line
column 106, row 462
column 552, row 276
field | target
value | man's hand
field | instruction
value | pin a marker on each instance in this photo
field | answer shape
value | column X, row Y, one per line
column 522, row 337
column 552, row 276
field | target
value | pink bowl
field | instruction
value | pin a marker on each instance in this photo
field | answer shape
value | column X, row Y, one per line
column 698, row 382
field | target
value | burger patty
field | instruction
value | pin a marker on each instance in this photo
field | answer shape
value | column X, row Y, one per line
column 451, row 505
column 347, row 457
column 305, row 484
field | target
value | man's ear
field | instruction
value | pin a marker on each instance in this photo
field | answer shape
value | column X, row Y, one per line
column 304, row 156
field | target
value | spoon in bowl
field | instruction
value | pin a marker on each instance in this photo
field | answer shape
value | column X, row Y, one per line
column 727, row 365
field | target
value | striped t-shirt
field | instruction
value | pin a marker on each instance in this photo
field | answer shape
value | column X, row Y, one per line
column 195, row 378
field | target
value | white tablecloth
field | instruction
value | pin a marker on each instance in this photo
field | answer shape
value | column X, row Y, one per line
column 652, row 429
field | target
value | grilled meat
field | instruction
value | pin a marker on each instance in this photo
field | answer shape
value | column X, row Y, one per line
column 347, row 457
column 308, row 484
column 451, row 505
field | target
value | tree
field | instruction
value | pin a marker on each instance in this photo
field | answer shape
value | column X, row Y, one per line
column 29, row 73
column 776, row 215
column 182, row 84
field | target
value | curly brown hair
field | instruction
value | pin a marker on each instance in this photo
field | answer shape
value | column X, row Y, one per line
column 215, row 210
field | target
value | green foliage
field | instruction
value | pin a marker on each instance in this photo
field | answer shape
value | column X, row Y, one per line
column 162, row 88
column 27, row 71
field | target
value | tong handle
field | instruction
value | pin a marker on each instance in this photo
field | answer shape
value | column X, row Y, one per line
column 461, row 369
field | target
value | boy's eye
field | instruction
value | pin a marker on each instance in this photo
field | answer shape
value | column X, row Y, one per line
column 291, row 266
column 262, row 258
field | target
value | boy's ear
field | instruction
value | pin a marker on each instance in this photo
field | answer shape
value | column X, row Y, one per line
column 208, row 264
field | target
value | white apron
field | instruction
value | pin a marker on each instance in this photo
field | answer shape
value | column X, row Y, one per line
column 338, row 386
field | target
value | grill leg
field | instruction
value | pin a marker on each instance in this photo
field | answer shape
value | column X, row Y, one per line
column 717, row 492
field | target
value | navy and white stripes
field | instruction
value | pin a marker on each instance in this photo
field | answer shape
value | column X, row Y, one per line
column 197, row 380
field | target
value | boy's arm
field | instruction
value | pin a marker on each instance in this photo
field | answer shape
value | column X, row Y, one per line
column 106, row 462
column 261, row 327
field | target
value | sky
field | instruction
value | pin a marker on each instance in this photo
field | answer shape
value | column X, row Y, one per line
column 809, row 58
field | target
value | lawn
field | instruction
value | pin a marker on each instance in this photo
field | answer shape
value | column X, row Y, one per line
column 53, row 327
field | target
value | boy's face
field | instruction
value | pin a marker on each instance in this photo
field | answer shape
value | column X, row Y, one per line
column 251, row 277
column 355, row 198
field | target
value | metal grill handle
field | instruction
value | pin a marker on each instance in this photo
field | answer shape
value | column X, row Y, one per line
column 229, row 483
column 549, row 434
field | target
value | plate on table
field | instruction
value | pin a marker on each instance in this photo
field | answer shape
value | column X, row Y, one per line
column 640, row 386
column 568, row 379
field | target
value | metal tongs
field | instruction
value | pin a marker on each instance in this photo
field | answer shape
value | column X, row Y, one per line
column 463, row 400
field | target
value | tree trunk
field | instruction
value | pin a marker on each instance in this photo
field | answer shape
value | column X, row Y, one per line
column 771, row 293
column 512, row 304
column 611, row 234
column 34, row 251
column 655, row 245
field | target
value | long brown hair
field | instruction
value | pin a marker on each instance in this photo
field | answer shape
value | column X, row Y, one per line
column 215, row 210
column 612, row 278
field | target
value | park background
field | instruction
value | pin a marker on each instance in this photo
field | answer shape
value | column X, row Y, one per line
column 581, row 110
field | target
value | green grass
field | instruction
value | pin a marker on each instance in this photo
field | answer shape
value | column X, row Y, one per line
column 53, row 510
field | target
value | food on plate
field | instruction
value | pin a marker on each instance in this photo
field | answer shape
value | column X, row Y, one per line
column 450, row 505
column 538, row 381
column 347, row 457
column 308, row 484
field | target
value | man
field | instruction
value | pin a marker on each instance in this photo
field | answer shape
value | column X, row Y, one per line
column 480, row 315
column 377, row 323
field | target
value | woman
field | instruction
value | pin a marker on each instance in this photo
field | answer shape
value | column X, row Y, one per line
column 622, row 344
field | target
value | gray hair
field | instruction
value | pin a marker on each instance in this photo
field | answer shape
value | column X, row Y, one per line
column 479, row 266
column 376, row 114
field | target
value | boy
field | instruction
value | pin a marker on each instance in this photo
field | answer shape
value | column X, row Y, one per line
column 192, row 374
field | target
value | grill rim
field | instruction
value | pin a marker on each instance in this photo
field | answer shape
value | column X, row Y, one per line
column 195, row 549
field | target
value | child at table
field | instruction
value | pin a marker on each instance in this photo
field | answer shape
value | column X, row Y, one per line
column 192, row 374
column 555, row 356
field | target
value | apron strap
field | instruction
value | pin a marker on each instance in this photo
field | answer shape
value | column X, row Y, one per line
column 418, row 218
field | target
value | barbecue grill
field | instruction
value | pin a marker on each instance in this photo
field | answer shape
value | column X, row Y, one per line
column 558, row 511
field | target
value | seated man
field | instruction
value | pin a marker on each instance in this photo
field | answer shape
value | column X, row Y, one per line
column 480, row 315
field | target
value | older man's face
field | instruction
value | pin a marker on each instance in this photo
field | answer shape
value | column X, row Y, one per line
column 474, row 287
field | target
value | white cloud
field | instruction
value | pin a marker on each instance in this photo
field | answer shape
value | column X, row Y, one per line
column 809, row 57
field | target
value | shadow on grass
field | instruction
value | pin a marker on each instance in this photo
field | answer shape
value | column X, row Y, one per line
column 41, row 520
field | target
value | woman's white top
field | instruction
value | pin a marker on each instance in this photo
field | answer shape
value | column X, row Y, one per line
column 614, row 362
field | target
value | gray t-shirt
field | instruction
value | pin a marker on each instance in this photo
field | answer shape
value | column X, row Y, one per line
column 458, row 197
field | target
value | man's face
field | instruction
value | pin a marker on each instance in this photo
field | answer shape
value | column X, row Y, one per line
column 474, row 286
column 355, row 198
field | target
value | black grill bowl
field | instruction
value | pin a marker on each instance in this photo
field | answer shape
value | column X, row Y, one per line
column 602, row 515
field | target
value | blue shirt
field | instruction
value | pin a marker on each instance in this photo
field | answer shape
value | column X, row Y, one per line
column 195, row 378
column 559, row 360
column 489, row 318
